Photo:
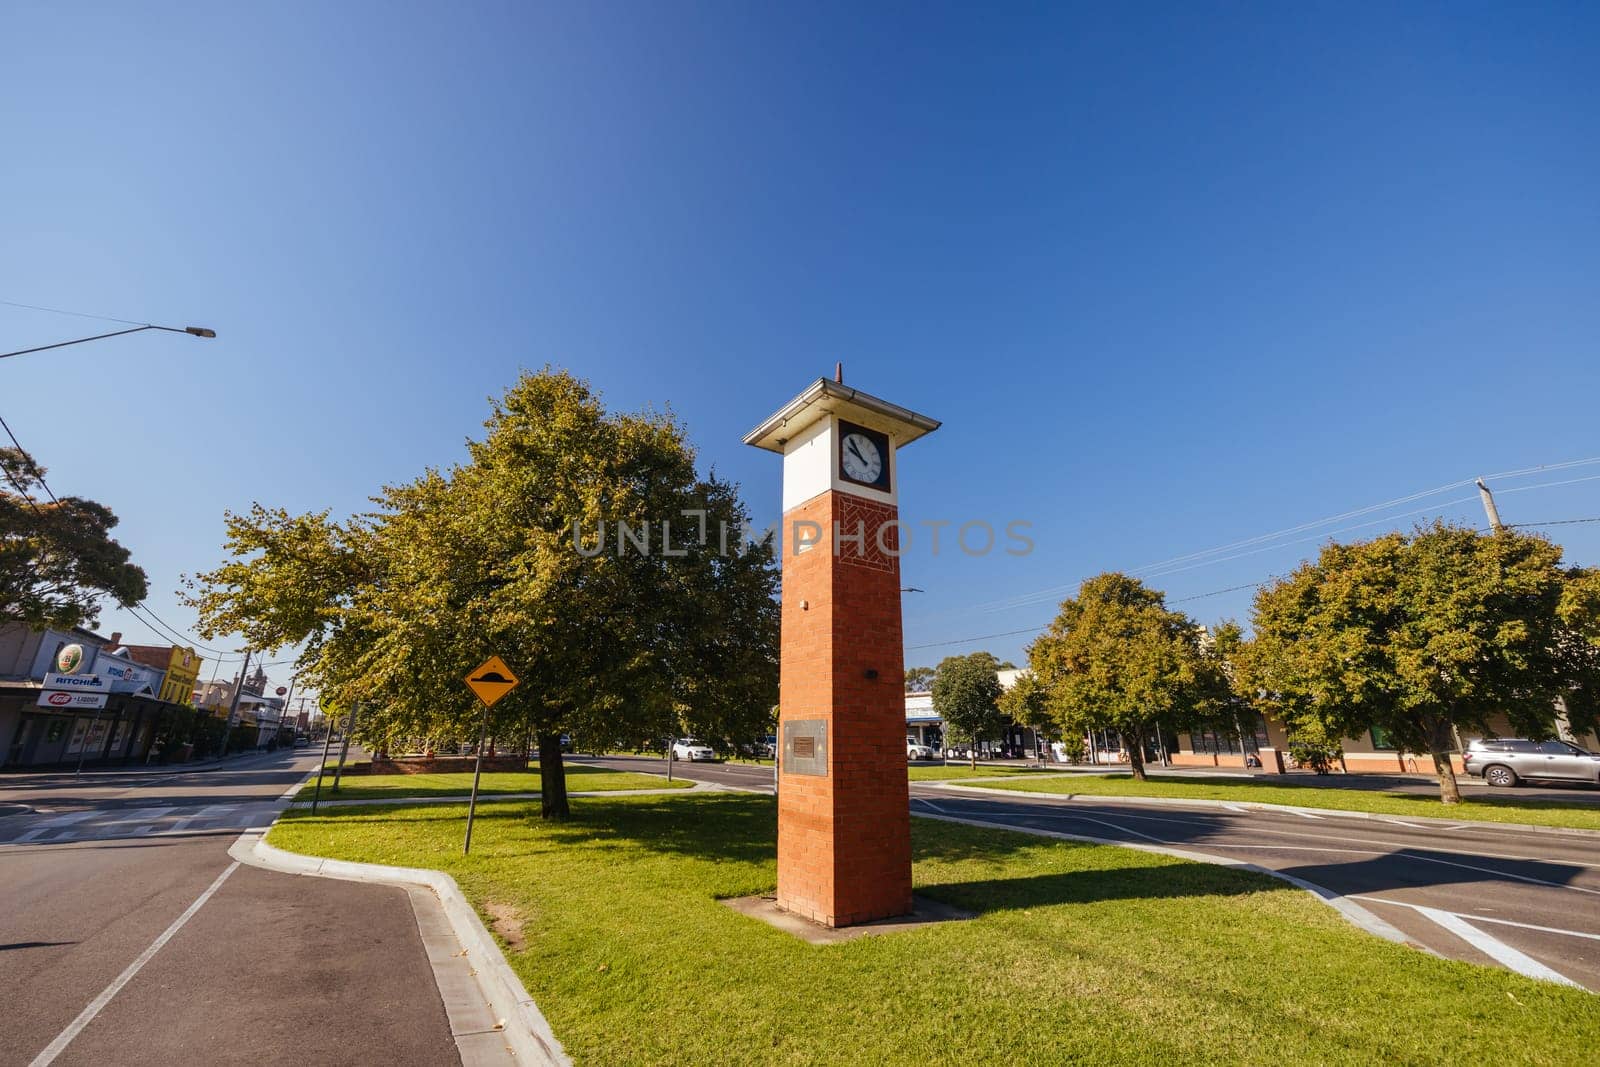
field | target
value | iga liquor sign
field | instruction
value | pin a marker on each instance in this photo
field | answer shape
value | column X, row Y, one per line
column 71, row 701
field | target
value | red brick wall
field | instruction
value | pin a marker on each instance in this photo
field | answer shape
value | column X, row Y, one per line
column 844, row 840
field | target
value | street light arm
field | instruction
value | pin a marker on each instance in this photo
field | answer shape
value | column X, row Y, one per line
column 196, row 331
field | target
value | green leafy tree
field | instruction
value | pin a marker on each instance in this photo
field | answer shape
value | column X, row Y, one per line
column 291, row 579
column 676, row 625
column 918, row 679
column 57, row 557
column 1421, row 636
column 1117, row 658
column 966, row 694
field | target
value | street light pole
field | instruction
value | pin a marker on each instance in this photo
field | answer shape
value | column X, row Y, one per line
column 194, row 331
column 233, row 706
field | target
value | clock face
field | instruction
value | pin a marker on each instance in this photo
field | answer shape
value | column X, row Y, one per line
column 864, row 456
column 861, row 458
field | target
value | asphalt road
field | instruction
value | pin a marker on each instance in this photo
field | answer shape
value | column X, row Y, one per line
column 269, row 967
column 1490, row 894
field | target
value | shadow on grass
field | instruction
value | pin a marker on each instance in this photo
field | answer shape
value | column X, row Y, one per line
column 741, row 829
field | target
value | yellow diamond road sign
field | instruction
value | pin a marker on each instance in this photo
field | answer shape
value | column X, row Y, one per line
column 492, row 681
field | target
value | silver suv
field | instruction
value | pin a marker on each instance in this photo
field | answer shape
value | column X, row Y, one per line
column 1505, row 761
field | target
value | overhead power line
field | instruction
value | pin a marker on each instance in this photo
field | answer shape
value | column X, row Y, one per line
column 1249, row 585
column 1270, row 541
column 29, row 457
column 982, row 637
column 74, row 314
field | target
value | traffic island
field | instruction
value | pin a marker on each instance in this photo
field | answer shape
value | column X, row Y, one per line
column 1076, row 952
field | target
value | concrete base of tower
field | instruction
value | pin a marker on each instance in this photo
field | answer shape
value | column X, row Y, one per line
column 921, row 912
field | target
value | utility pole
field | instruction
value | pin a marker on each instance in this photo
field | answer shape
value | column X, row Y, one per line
column 233, row 705
column 1488, row 507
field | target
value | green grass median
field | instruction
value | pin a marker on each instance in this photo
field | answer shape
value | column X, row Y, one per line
column 1078, row 954
column 1511, row 809
column 924, row 772
column 391, row 786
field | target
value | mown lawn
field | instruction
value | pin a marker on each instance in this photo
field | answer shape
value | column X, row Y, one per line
column 1079, row 953
column 384, row 786
column 931, row 771
column 1379, row 802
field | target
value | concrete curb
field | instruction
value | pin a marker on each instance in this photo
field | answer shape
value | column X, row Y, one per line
column 1255, row 805
column 525, row 1031
column 1351, row 911
column 378, row 802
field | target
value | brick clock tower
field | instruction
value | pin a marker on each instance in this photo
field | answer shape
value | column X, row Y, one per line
column 844, row 828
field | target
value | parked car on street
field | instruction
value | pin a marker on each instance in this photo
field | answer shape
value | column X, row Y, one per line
column 917, row 750
column 692, row 749
column 1505, row 761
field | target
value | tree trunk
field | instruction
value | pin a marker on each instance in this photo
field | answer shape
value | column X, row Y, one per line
column 1136, row 753
column 1449, row 791
column 552, row 778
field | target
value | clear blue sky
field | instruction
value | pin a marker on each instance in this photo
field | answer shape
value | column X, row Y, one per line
column 1172, row 278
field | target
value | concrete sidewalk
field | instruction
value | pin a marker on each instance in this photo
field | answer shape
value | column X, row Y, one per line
column 102, row 775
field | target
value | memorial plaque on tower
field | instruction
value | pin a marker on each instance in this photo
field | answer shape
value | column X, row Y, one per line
column 844, row 828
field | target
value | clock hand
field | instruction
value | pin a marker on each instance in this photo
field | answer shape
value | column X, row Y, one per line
column 851, row 445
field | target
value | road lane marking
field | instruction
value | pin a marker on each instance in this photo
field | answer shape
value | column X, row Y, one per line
column 58, row 821
column 1123, row 829
column 1321, row 836
column 1413, row 852
column 1488, row 919
column 72, row 817
column 95, row 1006
column 136, row 815
column 1304, row 814
column 1495, row 949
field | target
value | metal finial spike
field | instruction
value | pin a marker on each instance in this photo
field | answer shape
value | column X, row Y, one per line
column 838, row 372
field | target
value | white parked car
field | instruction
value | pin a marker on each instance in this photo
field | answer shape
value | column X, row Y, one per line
column 692, row 749
column 917, row 751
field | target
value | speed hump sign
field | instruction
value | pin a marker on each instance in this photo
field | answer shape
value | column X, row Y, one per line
column 491, row 681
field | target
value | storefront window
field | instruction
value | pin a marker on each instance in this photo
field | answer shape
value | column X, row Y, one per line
column 1217, row 740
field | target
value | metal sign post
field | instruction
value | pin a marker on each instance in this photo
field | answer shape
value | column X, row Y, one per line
column 491, row 681
column 327, row 743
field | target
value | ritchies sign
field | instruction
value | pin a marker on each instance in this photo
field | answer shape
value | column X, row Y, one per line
column 77, row 683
